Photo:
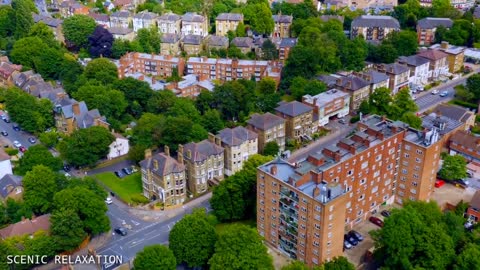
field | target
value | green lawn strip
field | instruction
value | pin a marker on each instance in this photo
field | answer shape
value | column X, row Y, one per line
column 124, row 187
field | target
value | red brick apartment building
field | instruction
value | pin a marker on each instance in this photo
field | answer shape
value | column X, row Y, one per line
column 156, row 65
column 304, row 208
column 232, row 69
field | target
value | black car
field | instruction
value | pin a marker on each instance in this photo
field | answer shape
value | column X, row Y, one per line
column 4, row 133
column 351, row 240
column 32, row 140
column 127, row 171
column 386, row 213
column 120, row 230
column 16, row 127
column 6, row 120
column 356, row 235
column 66, row 167
column 119, row 174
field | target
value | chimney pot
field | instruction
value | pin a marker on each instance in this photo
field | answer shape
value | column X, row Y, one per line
column 148, row 153
column 316, row 192
column 211, row 137
column 273, row 170
column 180, row 154
column 166, row 149
column 76, row 108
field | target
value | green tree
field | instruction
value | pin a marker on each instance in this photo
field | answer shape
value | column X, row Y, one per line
column 77, row 29
column 269, row 50
column 134, row 91
column 7, row 16
column 404, row 101
column 49, row 139
column 405, row 42
column 149, row 40
column 86, row 146
column 155, row 257
column 473, row 85
column 42, row 31
column 149, row 129
column 66, row 229
column 15, row 211
column 193, row 238
column 181, row 130
column 184, row 107
column 101, row 70
column 38, row 155
column 240, row 247
column 296, row 265
column 259, row 17
column 380, row 101
column 204, row 101
column 26, row 50
column 39, row 187
column 469, row 258
column 23, row 17
column 412, row 120
column 364, row 107
column 444, row 9
column 338, row 263
column 109, row 102
column 161, row 101
column 212, row 121
column 453, row 167
column 271, row 149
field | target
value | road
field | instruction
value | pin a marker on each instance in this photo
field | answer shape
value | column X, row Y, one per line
column 13, row 135
column 426, row 100
column 141, row 233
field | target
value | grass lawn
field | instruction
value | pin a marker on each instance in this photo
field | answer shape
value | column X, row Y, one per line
column 222, row 226
column 123, row 188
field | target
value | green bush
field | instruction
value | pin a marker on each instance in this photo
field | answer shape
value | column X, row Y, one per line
column 464, row 104
column 355, row 119
column 476, row 130
column 139, row 198
column 11, row 151
column 477, row 118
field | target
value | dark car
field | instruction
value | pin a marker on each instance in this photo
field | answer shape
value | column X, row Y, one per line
column 16, row 127
column 127, row 171
column 32, row 140
column 22, row 149
column 351, row 239
column 376, row 221
column 120, row 230
column 6, row 120
column 386, row 213
column 4, row 133
column 462, row 182
column 119, row 174
column 66, row 167
column 356, row 235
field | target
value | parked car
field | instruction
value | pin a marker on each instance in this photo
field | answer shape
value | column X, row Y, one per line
column 347, row 245
column 462, row 182
column 120, row 230
column 356, row 235
column 16, row 127
column 22, row 149
column 4, row 116
column 32, row 140
column 342, row 121
column 385, row 213
column 439, row 183
column 108, row 200
column 4, row 133
column 470, row 174
column 351, row 239
column 6, row 120
column 119, row 174
column 434, row 92
column 17, row 144
column 376, row 221
column 66, row 167
column 127, row 171
column 444, row 94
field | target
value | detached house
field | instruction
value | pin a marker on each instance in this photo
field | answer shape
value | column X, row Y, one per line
column 239, row 144
column 473, row 211
column 286, row 45
column 71, row 115
column 169, row 23
column 399, row 76
column 54, row 24
column 269, row 128
column 373, row 28
column 418, row 66
column 120, row 19
column 227, row 22
column 122, row 33
column 299, row 120
column 119, row 147
column 427, row 27
column 333, row 103
column 27, row 227
column 457, row 113
column 216, row 42
column 204, row 162
column 438, row 63
column 163, row 178
column 194, row 24
column 101, row 19
column 11, row 187
column 144, row 19
column 282, row 25
column 245, row 44
column 374, row 78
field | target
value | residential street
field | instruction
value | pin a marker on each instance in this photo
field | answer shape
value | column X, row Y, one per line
column 13, row 135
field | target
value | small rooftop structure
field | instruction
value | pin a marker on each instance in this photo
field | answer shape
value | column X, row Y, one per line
column 322, row 99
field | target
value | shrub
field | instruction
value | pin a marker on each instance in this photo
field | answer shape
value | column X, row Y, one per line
column 139, row 198
column 355, row 119
column 476, row 130
column 464, row 104
column 11, row 151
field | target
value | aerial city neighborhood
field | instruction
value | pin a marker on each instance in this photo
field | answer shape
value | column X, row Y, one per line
column 239, row 134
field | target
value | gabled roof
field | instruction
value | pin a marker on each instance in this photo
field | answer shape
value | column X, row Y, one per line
column 475, row 202
column 121, row 14
column 430, row 23
column 374, row 77
column 27, row 226
column 288, row 42
column 463, row 138
column 453, row 112
column 282, row 18
column 476, row 13
column 201, row 151
column 376, row 21
column 145, row 15
column 169, row 17
column 432, row 54
column 8, row 183
column 413, row 60
column 265, row 121
column 47, row 20
column 170, row 38
column 351, row 83
column 218, row 41
column 192, row 17
column 230, row 17
column 166, row 165
column 243, row 42
column 293, row 108
column 119, row 30
column 100, row 17
column 396, row 68
column 192, row 39
column 236, row 136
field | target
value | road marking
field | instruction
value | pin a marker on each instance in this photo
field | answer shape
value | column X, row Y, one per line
column 147, row 234
column 135, row 223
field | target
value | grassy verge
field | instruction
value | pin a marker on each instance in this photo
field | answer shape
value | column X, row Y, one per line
column 222, row 226
column 125, row 188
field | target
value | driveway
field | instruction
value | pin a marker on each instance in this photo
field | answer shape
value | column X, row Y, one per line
column 113, row 167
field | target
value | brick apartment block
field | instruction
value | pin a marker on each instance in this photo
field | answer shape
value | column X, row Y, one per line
column 304, row 208
column 157, row 65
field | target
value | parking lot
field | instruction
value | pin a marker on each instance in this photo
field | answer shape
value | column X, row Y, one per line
column 452, row 194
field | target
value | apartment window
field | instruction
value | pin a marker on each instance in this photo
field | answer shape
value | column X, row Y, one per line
column 417, row 168
column 363, row 181
column 362, row 197
column 317, row 217
column 274, row 201
column 318, row 208
column 350, row 173
column 262, row 202
column 304, row 209
column 407, row 155
column 364, row 165
column 376, row 174
column 403, row 178
column 413, row 191
column 330, row 235
column 414, row 184
column 415, row 176
column 374, row 189
column 420, row 152
column 304, row 200
column 304, row 218
column 391, row 151
column 405, row 163
column 402, row 186
column 331, row 208
column 404, row 171
column 302, row 235
column 316, row 244
column 303, row 226
column 330, row 217
column 400, row 193
column 331, row 173
column 349, row 204
column 315, row 251
column 317, row 226
column 317, row 235
column 378, row 157
column 390, row 166
column 418, row 160
column 335, row 179
column 359, row 213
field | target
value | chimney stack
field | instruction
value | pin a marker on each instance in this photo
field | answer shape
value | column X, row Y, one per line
column 424, row 133
column 148, row 153
column 273, row 170
column 316, row 192
column 180, row 154
column 444, row 45
column 76, row 108
column 166, row 150
column 211, row 137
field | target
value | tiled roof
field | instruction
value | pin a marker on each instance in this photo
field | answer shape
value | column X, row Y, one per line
column 192, row 39
column 201, row 151
column 169, row 17
column 466, row 140
column 192, row 17
column 376, row 21
column 413, row 60
column 430, row 23
column 432, row 54
column 120, row 14
column 351, row 83
column 236, row 136
column 373, row 76
column 8, row 183
column 166, row 165
column 329, row 80
column 145, row 15
column 170, row 38
column 453, row 112
column 47, row 20
column 282, row 18
column 288, row 42
column 100, row 17
column 396, row 68
column 243, row 42
column 230, row 17
column 265, row 121
column 218, row 41
column 293, row 108
column 27, row 226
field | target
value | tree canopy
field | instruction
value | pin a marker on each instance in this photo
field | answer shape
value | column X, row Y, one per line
column 454, row 167
column 100, row 42
column 38, row 155
column 77, row 29
column 155, row 257
column 39, row 187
